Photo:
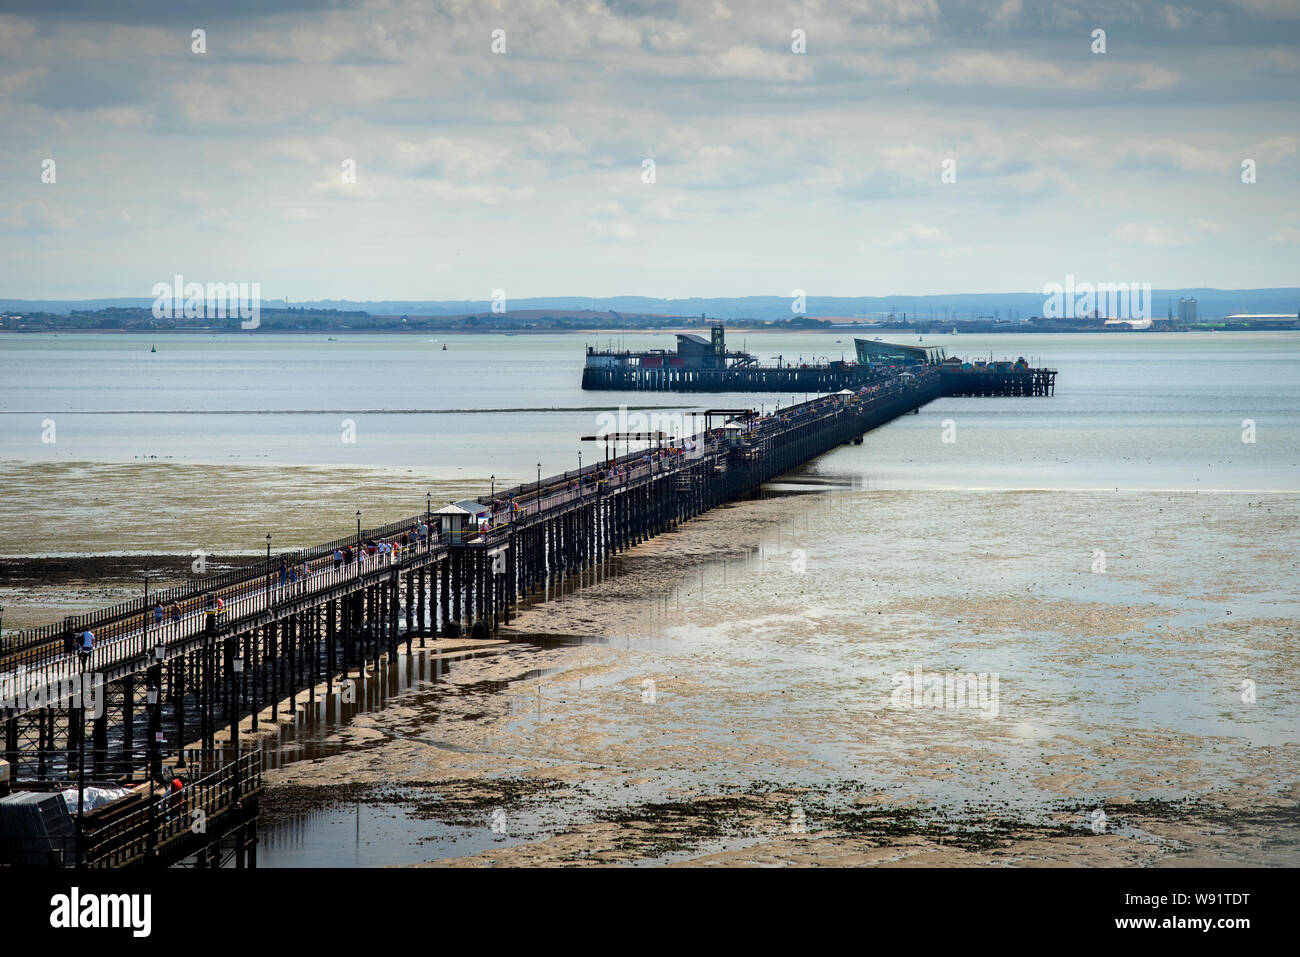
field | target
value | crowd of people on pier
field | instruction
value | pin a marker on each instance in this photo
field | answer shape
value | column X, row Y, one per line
column 290, row 579
column 297, row 577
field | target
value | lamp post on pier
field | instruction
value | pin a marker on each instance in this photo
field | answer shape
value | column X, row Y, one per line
column 539, row 486
column 237, row 667
column 153, row 697
column 358, row 528
column 268, row 571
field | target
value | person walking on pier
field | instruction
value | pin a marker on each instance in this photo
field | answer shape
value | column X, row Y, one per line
column 87, row 647
column 175, row 799
column 293, row 579
column 157, row 615
column 284, row 575
column 338, row 559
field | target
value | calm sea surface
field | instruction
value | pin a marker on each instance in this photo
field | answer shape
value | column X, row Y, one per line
column 1131, row 411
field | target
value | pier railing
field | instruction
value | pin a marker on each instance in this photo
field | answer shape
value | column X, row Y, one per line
column 151, row 830
column 151, row 825
column 189, row 595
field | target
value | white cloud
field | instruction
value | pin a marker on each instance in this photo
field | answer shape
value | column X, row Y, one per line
column 767, row 155
column 1014, row 70
column 751, row 63
column 1282, row 9
column 1283, row 58
column 1146, row 234
column 12, row 83
column 1007, row 12
column 332, row 186
column 1173, row 16
column 455, row 159
column 37, row 217
column 919, row 234
column 1150, row 77
column 608, row 220
column 1176, row 153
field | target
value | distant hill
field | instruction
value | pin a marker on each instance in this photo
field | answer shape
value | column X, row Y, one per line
column 1212, row 303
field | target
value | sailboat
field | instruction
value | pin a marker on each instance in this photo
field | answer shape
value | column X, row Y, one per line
column 153, row 348
column 444, row 347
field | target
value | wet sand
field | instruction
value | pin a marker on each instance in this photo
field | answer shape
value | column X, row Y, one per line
column 700, row 702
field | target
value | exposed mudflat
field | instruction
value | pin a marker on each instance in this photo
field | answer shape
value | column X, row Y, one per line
column 723, row 695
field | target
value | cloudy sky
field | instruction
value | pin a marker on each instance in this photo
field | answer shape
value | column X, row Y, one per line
column 524, row 170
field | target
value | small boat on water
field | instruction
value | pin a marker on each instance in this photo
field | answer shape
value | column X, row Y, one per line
column 332, row 339
column 153, row 348
column 444, row 347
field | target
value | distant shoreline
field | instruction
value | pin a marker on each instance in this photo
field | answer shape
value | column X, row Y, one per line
column 1020, row 329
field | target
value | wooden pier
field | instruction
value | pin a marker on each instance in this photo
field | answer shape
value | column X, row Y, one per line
column 790, row 379
column 166, row 683
column 1028, row 382
column 701, row 365
column 809, row 379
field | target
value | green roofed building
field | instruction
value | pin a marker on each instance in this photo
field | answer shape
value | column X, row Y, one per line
column 875, row 352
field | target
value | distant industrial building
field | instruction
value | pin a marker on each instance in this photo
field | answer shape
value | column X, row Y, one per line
column 1271, row 320
column 696, row 352
column 1187, row 311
